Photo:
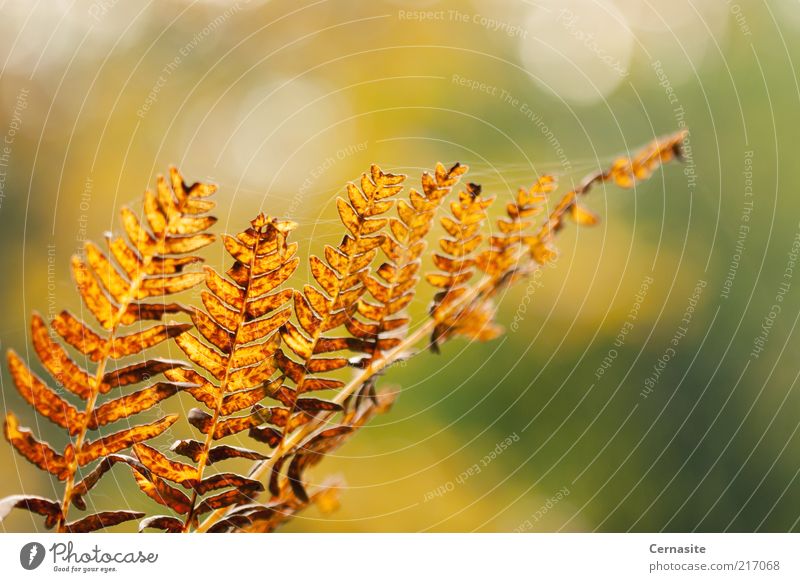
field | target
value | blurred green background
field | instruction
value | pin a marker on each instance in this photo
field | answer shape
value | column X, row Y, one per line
column 282, row 102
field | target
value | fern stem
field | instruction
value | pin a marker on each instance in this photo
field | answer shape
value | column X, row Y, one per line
column 92, row 400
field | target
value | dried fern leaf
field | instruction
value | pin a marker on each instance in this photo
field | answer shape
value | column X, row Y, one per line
column 165, row 523
column 39, row 453
column 341, row 277
column 114, row 287
column 162, row 492
column 502, row 256
column 456, row 264
column 290, row 488
column 394, row 285
column 82, row 487
column 624, row 172
column 267, row 517
column 101, row 520
column 123, row 439
column 238, row 338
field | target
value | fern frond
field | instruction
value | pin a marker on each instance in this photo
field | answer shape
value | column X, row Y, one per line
column 502, row 255
column 397, row 279
column 239, row 331
column 340, row 277
column 259, row 347
column 319, row 310
column 457, row 263
column 149, row 265
column 625, row 172
column 341, row 284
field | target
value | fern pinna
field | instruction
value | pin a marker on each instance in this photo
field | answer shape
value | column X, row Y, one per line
column 260, row 345
column 151, row 264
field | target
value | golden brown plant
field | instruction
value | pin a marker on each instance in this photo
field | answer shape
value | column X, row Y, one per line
column 151, row 264
column 264, row 345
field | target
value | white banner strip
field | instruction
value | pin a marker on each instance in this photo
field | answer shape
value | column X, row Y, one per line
column 415, row 557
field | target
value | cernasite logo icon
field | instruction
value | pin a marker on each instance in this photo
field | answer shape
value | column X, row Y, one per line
column 31, row 555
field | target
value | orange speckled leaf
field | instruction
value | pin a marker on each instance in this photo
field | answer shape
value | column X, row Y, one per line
column 187, row 244
column 228, row 292
column 50, row 509
column 138, row 236
column 324, row 275
column 165, row 523
column 91, row 479
column 42, row 398
column 238, row 401
column 135, row 373
column 266, row 283
column 222, row 480
column 123, row 439
column 213, row 331
column 39, row 453
column 133, row 403
column 171, row 470
column 193, row 449
column 202, row 355
column 116, row 285
column 583, row 216
column 168, row 284
column 230, row 497
column 224, row 315
column 349, row 216
column 102, row 520
column 161, row 492
column 93, row 296
column 139, row 341
column 55, row 359
column 224, row 427
column 78, row 335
